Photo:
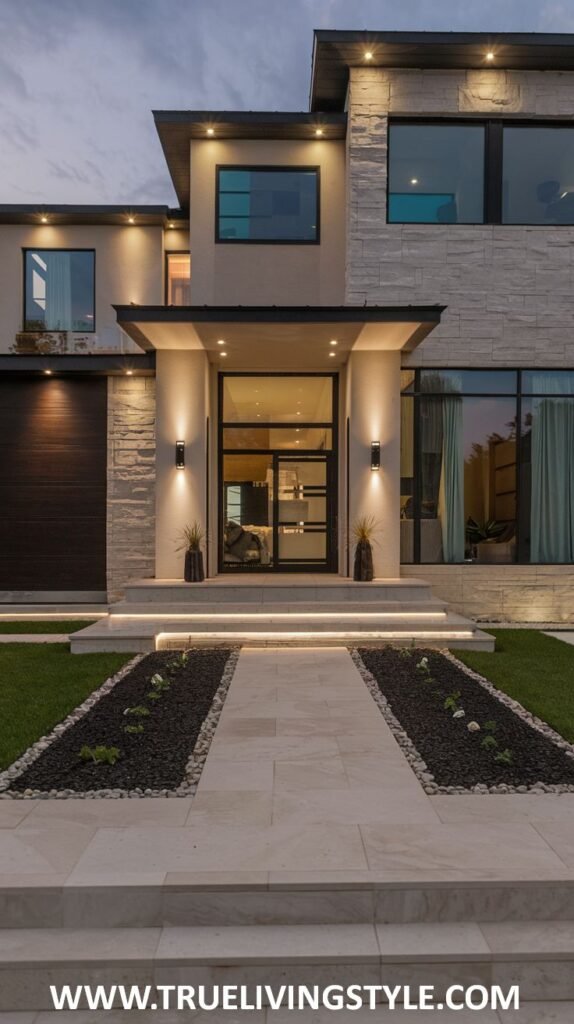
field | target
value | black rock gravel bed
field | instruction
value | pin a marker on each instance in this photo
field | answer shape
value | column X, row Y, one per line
column 153, row 760
column 453, row 754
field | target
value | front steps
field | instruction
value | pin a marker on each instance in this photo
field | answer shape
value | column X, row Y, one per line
column 299, row 611
column 365, row 934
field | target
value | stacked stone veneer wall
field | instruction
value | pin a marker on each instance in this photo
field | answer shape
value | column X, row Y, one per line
column 131, row 481
column 509, row 291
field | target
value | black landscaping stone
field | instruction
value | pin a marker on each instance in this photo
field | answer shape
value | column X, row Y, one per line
column 454, row 755
column 155, row 759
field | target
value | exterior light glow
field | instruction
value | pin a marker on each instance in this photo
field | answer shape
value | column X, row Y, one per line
column 171, row 225
column 48, row 373
column 332, row 355
column 333, row 342
column 129, row 373
column 490, row 55
column 414, row 181
column 223, row 354
column 131, row 220
column 368, row 55
column 318, row 131
column 44, row 219
column 210, row 131
column 180, row 454
column 220, row 341
column 375, row 456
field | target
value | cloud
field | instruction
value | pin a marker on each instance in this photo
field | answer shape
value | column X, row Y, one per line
column 79, row 78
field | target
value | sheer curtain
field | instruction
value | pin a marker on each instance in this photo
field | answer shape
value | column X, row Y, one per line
column 552, row 502
column 58, row 292
column 451, row 489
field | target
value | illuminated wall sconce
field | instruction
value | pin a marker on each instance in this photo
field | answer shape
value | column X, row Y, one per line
column 375, row 455
column 180, row 454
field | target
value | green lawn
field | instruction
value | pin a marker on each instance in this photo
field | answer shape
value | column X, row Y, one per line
column 39, row 685
column 48, row 626
column 536, row 670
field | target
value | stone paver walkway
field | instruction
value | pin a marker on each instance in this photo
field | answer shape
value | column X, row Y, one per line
column 303, row 782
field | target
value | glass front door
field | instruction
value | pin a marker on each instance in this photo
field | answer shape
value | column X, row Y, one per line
column 278, row 473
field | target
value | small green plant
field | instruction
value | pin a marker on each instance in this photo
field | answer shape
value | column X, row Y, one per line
column 153, row 695
column 134, row 730
column 100, row 754
column 179, row 662
column 190, row 538
column 490, row 726
column 403, row 652
column 159, row 683
column 504, row 757
column 451, row 702
column 489, row 743
column 139, row 711
column 363, row 529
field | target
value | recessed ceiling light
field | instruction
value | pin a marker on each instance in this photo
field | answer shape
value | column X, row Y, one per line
column 220, row 341
column 414, row 181
column 210, row 131
column 171, row 225
column 332, row 355
column 298, row 413
column 490, row 55
column 318, row 131
column 368, row 55
column 44, row 219
column 333, row 341
column 129, row 373
column 131, row 220
column 223, row 354
column 48, row 373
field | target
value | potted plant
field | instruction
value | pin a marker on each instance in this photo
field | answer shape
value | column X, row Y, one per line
column 190, row 542
column 484, row 537
column 363, row 530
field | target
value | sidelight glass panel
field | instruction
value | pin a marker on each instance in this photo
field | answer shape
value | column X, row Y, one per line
column 59, row 290
column 261, row 400
column 178, row 279
column 247, row 510
column 538, row 175
column 436, row 174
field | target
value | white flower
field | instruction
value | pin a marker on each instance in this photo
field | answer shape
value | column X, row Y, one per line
column 473, row 727
column 459, row 714
column 423, row 663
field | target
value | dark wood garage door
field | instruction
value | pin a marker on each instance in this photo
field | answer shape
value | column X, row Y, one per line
column 52, row 484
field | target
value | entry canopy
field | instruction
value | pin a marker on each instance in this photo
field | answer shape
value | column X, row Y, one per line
column 288, row 337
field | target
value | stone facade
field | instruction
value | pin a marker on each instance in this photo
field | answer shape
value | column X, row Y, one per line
column 508, row 290
column 131, row 481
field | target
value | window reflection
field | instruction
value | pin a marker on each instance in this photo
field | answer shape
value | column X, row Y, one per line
column 178, row 279
column 538, row 175
column 59, row 290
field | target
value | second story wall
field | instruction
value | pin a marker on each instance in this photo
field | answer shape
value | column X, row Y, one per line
column 128, row 268
column 267, row 274
column 508, row 288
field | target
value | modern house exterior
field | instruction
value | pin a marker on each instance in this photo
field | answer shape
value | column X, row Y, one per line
column 363, row 309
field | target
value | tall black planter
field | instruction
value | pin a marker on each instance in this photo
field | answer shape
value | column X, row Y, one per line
column 363, row 569
column 193, row 568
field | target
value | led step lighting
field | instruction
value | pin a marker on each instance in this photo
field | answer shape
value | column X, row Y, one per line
column 343, row 637
column 276, row 616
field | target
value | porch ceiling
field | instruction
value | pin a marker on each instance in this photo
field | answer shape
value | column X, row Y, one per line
column 288, row 337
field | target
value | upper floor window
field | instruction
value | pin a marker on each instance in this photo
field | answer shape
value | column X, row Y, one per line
column 59, row 286
column 436, row 174
column 491, row 172
column 538, row 175
column 267, row 204
column 178, row 279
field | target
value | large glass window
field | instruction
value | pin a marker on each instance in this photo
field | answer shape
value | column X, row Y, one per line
column 59, row 290
column 436, row 174
column 271, row 399
column 538, row 175
column 267, row 204
column 178, row 279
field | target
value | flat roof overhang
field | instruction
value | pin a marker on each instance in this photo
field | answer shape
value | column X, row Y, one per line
column 334, row 52
column 285, row 337
column 177, row 128
column 109, row 365
column 142, row 216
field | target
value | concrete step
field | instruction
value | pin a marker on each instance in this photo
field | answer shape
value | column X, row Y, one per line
column 537, row 957
column 431, row 608
column 175, row 903
column 284, row 589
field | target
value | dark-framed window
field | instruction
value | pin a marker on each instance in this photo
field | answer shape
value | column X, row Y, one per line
column 267, row 204
column 59, row 290
column 492, row 171
column 178, row 277
column 487, row 463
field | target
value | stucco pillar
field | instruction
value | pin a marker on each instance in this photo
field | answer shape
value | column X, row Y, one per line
column 374, row 414
column 182, row 408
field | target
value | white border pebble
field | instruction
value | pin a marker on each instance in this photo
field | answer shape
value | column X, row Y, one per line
column 420, row 767
column 194, row 766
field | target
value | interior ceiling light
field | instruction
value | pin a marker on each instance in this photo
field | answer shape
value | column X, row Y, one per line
column 131, row 220
column 490, row 55
column 368, row 55
column 332, row 355
column 333, row 342
column 44, row 219
column 129, row 373
column 318, row 131
column 210, row 131
column 221, row 341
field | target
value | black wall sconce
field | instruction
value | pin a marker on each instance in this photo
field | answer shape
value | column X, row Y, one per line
column 180, row 454
column 375, row 455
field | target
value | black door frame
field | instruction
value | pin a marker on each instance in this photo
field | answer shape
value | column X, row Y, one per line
column 330, row 564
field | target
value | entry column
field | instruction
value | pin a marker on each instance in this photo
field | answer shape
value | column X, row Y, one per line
column 373, row 403
column 182, row 396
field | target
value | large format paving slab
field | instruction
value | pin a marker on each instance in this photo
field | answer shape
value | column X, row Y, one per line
column 304, row 781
